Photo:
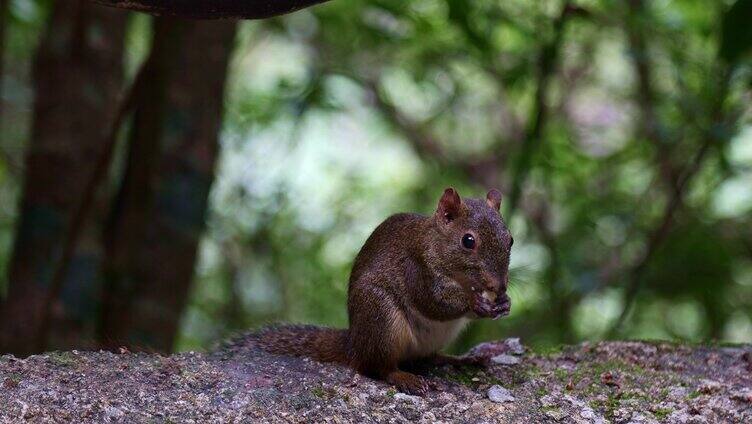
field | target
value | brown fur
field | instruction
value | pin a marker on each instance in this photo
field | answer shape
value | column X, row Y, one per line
column 412, row 287
column 320, row 343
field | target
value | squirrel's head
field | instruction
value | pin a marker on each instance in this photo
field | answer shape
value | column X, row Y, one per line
column 473, row 247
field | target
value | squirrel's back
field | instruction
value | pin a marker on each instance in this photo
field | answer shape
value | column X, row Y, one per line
column 392, row 240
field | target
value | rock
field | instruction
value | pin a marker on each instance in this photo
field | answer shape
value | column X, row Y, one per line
column 239, row 381
column 476, row 409
column 444, row 398
column 709, row 387
column 409, row 410
column 677, row 393
column 747, row 359
column 407, row 398
column 505, row 359
column 587, row 413
column 514, row 346
column 683, row 417
column 112, row 412
column 488, row 349
column 557, row 414
column 548, row 401
column 499, row 394
column 428, row 417
column 743, row 395
column 638, row 418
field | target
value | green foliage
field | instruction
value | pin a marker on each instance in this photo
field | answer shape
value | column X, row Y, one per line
column 737, row 38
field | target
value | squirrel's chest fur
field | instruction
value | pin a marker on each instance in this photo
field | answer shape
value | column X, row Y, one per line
column 425, row 337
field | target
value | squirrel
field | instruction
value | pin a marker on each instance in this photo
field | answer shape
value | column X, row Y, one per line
column 414, row 286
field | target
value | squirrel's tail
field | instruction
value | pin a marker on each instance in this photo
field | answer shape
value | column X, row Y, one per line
column 320, row 343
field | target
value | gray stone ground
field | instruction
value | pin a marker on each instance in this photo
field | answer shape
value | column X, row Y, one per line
column 618, row 382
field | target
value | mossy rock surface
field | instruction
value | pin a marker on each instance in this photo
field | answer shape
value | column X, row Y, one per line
column 605, row 382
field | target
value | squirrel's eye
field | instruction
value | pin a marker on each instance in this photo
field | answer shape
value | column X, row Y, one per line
column 468, row 241
column 511, row 241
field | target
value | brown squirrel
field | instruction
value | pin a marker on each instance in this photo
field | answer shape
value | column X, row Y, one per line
column 414, row 285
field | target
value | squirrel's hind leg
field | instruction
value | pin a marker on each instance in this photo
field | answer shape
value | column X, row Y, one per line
column 380, row 337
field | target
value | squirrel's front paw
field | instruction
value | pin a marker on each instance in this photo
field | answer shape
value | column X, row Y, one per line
column 484, row 307
column 408, row 383
column 504, row 305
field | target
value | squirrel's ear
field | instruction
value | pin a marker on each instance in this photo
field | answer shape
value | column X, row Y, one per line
column 450, row 205
column 493, row 198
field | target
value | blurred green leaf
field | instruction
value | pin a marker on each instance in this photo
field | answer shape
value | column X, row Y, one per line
column 736, row 40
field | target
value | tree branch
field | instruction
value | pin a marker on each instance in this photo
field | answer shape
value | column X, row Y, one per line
column 213, row 9
column 675, row 202
column 651, row 127
column 658, row 235
column 483, row 172
column 548, row 59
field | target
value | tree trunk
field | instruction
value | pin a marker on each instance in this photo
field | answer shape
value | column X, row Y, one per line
column 77, row 78
column 158, row 216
